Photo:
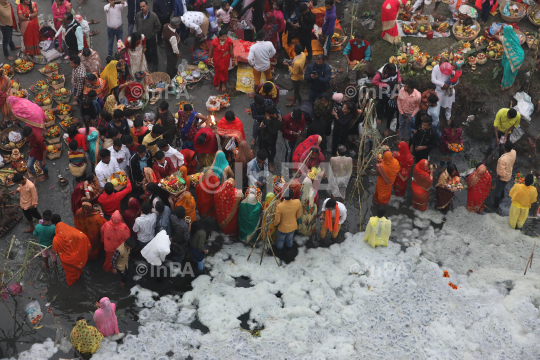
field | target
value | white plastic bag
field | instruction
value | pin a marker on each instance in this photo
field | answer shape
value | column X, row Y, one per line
column 33, row 310
column 157, row 249
column 516, row 134
column 524, row 105
column 231, row 145
column 393, row 124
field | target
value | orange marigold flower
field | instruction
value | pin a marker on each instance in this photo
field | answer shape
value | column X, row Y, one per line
column 453, row 286
column 445, row 274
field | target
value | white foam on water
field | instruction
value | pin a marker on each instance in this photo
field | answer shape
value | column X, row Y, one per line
column 403, row 309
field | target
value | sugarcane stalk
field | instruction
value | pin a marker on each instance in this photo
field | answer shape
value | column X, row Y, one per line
column 529, row 262
column 7, row 171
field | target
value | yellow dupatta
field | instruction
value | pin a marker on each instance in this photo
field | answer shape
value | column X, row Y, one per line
column 110, row 75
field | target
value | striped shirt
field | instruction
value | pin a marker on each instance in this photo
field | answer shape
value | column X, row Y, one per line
column 77, row 158
column 145, row 226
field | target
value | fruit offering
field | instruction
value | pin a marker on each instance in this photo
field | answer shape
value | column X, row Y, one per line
column 61, row 95
column 68, row 120
column 455, row 147
column 443, row 27
column 118, row 178
column 279, row 181
column 20, row 166
column 63, row 109
column 412, row 28
column 519, row 179
column 495, row 50
column 480, row 41
column 52, row 133
column 336, row 38
column 425, row 28
column 41, row 85
column 466, row 31
column 43, row 98
column 174, row 183
column 20, row 94
column 255, row 191
column 50, row 115
column 202, row 66
column 423, row 18
column 51, row 67
column 6, row 68
column 455, row 184
column 23, row 66
column 313, row 172
column 51, row 149
column 14, row 84
column 383, row 149
column 56, row 77
column 8, row 144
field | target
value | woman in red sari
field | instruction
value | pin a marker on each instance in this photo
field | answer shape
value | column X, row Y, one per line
column 313, row 140
column 406, row 162
column 444, row 194
column 190, row 161
column 227, row 200
column 387, row 171
column 390, row 11
column 132, row 213
column 113, row 234
column 28, row 23
column 206, row 146
column 205, row 190
column 72, row 246
column 89, row 221
column 272, row 29
column 478, row 186
column 421, row 185
column 221, row 51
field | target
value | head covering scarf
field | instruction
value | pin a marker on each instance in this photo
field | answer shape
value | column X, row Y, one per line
column 114, row 232
column 133, row 212
column 404, row 155
column 110, row 75
column 312, row 161
column 390, row 165
column 307, row 144
column 190, row 161
column 387, row 173
column 90, row 221
column 273, row 92
column 86, row 339
column 105, row 318
column 72, row 246
column 219, row 165
column 479, row 184
column 28, row 112
column 210, row 146
column 110, row 103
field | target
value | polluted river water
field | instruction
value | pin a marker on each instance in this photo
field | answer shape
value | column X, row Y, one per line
column 328, row 300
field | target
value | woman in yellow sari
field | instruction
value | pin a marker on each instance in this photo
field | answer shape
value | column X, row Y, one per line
column 85, row 339
column 378, row 229
column 5, row 86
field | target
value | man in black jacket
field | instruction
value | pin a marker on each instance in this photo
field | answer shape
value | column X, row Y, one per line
column 137, row 162
column 317, row 75
column 307, row 21
column 167, row 121
column 163, row 9
column 424, row 140
column 270, row 126
column 133, row 8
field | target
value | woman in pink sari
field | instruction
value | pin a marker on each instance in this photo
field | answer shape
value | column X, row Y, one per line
column 28, row 112
column 28, row 24
column 59, row 8
column 390, row 11
column 113, row 234
column 105, row 318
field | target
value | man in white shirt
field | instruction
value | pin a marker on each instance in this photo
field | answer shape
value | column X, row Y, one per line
column 106, row 167
column 328, row 217
column 259, row 57
column 176, row 156
column 145, row 225
column 114, row 22
column 196, row 22
column 121, row 154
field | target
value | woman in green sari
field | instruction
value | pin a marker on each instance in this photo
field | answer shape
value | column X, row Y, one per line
column 249, row 216
column 513, row 55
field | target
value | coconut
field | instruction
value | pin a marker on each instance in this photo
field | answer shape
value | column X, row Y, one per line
column 18, row 62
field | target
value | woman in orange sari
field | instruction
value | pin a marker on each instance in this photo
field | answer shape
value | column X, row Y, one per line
column 7, row 90
column 205, row 190
column 421, row 185
column 186, row 200
column 227, row 199
column 90, row 221
column 72, row 246
column 387, row 171
column 390, row 11
column 28, row 24
column 406, row 162
column 94, row 82
column 478, row 186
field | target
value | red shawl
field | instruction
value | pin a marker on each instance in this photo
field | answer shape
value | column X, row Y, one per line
column 233, row 129
column 190, row 161
column 478, row 186
column 406, row 161
column 227, row 207
column 210, row 146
